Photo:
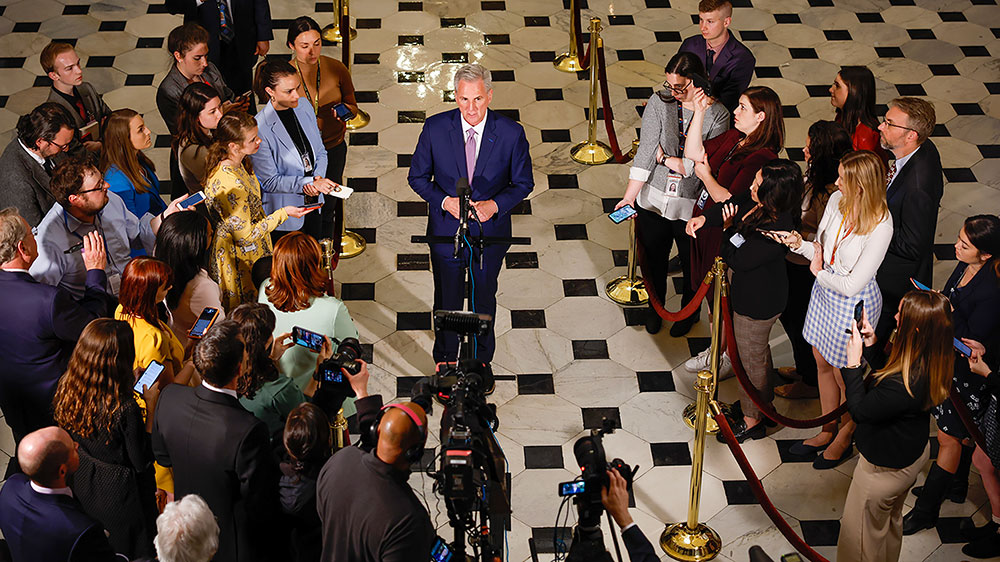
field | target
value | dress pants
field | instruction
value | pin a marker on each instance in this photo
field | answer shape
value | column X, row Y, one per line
column 657, row 235
column 752, row 338
column 450, row 292
column 333, row 207
column 793, row 319
column 871, row 529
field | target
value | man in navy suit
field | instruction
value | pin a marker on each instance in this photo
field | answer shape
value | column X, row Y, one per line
column 40, row 325
column 38, row 515
column 615, row 500
column 729, row 63
column 492, row 152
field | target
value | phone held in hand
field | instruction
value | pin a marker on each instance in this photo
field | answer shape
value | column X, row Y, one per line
column 440, row 552
column 920, row 285
column 343, row 112
column 962, row 348
column 621, row 214
column 859, row 313
column 149, row 376
column 700, row 82
column 203, row 323
column 307, row 339
column 311, row 206
column 193, row 200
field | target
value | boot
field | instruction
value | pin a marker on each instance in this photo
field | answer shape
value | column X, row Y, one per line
column 924, row 514
column 653, row 320
column 959, row 488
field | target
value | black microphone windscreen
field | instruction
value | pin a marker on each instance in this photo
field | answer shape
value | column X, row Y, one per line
column 461, row 322
column 462, row 187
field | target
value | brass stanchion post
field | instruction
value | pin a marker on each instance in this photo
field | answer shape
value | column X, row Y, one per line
column 593, row 151
column 362, row 118
column 339, row 429
column 691, row 540
column 691, row 412
column 332, row 32
column 328, row 252
column 629, row 289
column 570, row 62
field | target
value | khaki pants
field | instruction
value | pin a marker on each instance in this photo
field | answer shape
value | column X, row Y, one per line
column 752, row 337
column 871, row 529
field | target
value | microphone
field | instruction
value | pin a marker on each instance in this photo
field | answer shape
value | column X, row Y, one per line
column 461, row 322
column 463, row 192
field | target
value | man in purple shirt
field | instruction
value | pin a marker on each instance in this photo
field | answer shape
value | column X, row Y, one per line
column 729, row 63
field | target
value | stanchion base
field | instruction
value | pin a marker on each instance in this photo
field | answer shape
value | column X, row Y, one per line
column 591, row 153
column 568, row 63
column 634, row 149
column 689, row 416
column 690, row 545
column 630, row 291
column 351, row 244
column 331, row 33
column 359, row 120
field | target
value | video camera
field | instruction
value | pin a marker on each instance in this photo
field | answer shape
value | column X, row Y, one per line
column 329, row 373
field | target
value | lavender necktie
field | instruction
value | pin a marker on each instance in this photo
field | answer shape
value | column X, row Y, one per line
column 470, row 153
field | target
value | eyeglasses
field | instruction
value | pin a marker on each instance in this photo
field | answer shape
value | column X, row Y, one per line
column 676, row 89
column 891, row 124
column 62, row 147
column 103, row 187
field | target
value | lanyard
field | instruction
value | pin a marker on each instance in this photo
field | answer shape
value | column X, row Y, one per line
column 100, row 229
column 837, row 239
column 314, row 102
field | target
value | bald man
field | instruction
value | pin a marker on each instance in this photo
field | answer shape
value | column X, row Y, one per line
column 38, row 515
column 368, row 511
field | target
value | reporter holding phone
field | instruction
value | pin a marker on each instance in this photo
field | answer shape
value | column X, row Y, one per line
column 325, row 82
column 892, row 416
column 757, row 272
column 94, row 403
column 291, row 163
column 974, row 292
column 296, row 293
column 984, row 541
column 662, row 186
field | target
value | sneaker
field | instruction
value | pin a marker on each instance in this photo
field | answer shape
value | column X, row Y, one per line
column 725, row 367
column 700, row 362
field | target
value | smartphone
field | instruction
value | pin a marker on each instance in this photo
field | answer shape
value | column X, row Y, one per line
column 149, row 376
column 307, row 339
column 621, row 214
column 203, row 323
column 571, row 488
column 962, row 348
column 333, row 376
column 440, row 552
column 920, row 285
column 193, row 200
column 343, row 112
column 311, row 206
column 700, row 82
column 859, row 313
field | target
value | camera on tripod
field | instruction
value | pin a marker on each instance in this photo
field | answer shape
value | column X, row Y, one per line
column 329, row 374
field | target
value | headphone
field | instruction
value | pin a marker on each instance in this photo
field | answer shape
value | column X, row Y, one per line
column 415, row 453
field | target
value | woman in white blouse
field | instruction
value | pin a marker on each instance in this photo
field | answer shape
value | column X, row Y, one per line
column 851, row 241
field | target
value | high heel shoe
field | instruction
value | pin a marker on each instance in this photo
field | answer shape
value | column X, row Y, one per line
column 823, row 463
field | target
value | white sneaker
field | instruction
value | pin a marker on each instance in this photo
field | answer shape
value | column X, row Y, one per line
column 701, row 362
column 725, row 367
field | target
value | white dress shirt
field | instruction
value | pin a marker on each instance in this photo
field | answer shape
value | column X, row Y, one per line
column 50, row 491
column 220, row 390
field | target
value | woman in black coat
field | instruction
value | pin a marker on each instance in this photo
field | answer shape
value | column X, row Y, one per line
column 307, row 447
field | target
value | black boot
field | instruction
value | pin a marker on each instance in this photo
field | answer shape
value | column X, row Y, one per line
column 682, row 327
column 959, row 488
column 986, row 547
column 924, row 514
column 653, row 320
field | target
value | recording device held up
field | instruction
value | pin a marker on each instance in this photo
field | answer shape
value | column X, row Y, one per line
column 330, row 374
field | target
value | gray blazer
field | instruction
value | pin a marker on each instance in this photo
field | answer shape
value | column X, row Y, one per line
column 659, row 127
column 168, row 94
column 24, row 184
column 92, row 101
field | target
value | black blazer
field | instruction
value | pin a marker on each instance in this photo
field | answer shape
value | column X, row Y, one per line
column 38, row 330
column 53, row 528
column 221, row 452
column 251, row 18
column 976, row 305
column 913, row 200
column 24, row 184
column 892, row 425
column 732, row 71
column 168, row 93
column 638, row 546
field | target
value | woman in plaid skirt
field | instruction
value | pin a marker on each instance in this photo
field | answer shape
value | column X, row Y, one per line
column 851, row 241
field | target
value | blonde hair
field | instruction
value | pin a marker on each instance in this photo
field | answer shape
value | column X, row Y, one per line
column 864, row 205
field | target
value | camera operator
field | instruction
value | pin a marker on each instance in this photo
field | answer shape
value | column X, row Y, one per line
column 368, row 511
column 615, row 500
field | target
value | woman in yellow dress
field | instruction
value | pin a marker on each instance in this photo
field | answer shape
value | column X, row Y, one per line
column 242, row 230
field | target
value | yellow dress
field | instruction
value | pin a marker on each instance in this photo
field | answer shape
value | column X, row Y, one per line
column 242, row 232
column 154, row 344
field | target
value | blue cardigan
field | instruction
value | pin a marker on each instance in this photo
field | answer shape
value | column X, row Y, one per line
column 139, row 203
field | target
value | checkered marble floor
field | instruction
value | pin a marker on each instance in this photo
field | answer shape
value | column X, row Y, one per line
column 566, row 355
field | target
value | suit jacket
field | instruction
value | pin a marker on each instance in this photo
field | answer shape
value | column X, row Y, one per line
column 39, row 328
column 278, row 165
column 251, row 20
column 53, row 528
column 93, row 102
column 732, row 70
column 913, row 198
column 503, row 170
column 24, row 184
column 221, row 452
column 638, row 546
column 169, row 92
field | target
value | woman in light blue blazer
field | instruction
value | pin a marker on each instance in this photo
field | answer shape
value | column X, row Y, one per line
column 291, row 162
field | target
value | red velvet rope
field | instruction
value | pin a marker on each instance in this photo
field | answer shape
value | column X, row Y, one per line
column 758, row 492
column 766, row 408
column 693, row 306
column 574, row 21
column 609, row 118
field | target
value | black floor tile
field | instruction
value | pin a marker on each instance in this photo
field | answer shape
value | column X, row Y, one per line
column 837, row 34
column 921, row 34
column 543, row 456
column 413, row 262
column 368, row 23
column 788, row 111
column 162, row 141
column 426, row 462
column 590, row 349
column 522, row 260
column 910, row 90
column 503, row 75
column 945, row 252
column 12, row 62
column 357, row 291
column 990, row 150
column 363, row 185
column 139, row 80
column 668, row 36
column 452, row 22
column 367, row 233
column 786, row 456
column 522, row 208
column 967, row 109
column 940, row 130
column 548, row 94
column 411, row 208
column 641, row 93
column 697, row 345
column 655, row 381
column 403, row 160
column 634, row 316
column 902, row 3
column 870, row 17
column 413, row 321
column 818, row 90
column 555, row 135
column 787, row 18
column 366, row 58
column 3, row 101
column 100, row 62
column 593, row 418
column 563, row 181
column 795, row 154
column 404, row 385
column 41, row 82
column 821, row 3
column 571, row 231
column 753, row 36
column 579, row 287
column 803, row 53
column 767, row 72
column 630, row 54
column 952, row 16
column 410, row 116
column 657, row 3
column 149, row 43
column 455, row 58
column 410, row 40
column 975, row 51
column 959, row 175
column 621, row 20
column 738, row 492
column 619, row 257
column 943, row 69
column 411, row 6
column 363, row 139
column 820, row 533
column 536, row 21
column 742, row 4
column 157, row 9
column 496, row 39
column 535, row 384
column 542, row 56
column 76, row 9
column 512, row 114
column 608, row 204
column 410, row 77
column 889, row 52
column 111, row 26
column 670, row 454
column 493, row 6
column 527, row 319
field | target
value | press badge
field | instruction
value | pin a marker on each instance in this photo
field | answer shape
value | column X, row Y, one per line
column 702, row 199
column 307, row 164
column 114, row 283
column 737, row 240
column 673, row 184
